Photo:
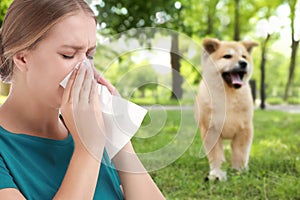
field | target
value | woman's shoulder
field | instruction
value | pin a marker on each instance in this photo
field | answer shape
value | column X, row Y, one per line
column 21, row 143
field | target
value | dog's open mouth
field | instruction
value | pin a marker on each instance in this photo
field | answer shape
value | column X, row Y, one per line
column 234, row 78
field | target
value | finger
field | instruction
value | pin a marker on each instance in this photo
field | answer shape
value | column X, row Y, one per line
column 78, row 82
column 104, row 82
column 94, row 93
column 100, row 79
column 87, row 85
column 68, row 90
column 96, row 73
column 109, row 86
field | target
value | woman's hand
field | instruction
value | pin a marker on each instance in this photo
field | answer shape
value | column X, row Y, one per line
column 101, row 80
column 81, row 111
column 82, row 115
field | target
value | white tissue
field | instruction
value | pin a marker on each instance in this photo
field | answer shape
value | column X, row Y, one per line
column 122, row 118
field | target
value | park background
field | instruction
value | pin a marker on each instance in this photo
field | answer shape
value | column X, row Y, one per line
column 151, row 51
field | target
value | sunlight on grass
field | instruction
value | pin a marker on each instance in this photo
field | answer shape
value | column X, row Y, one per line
column 275, row 146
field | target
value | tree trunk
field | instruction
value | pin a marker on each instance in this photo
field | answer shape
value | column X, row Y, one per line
column 211, row 16
column 175, row 63
column 236, row 36
column 210, row 24
column 292, row 66
column 262, row 69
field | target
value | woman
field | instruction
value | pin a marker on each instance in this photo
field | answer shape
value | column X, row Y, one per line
column 41, row 155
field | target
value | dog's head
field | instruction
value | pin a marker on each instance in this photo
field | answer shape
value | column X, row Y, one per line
column 232, row 59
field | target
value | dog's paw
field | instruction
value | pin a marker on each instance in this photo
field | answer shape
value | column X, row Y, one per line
column 217, row 174
column 240, row 169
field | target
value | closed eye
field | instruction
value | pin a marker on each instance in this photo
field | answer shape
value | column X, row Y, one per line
column 67, row 57
column 227, row 56
column 244, row 56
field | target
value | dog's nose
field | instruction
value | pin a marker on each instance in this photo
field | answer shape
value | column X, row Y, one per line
column 243, row 64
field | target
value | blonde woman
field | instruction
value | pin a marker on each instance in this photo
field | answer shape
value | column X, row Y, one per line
column 41, row 156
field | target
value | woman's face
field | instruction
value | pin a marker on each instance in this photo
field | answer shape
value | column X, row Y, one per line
column 70, row 41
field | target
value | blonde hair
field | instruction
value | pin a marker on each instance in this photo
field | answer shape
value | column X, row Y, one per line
column 27, row 22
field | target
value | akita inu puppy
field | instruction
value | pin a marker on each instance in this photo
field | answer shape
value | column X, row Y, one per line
column 224, row 105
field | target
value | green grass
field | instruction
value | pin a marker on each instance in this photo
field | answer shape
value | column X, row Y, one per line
column 274, row 166
column 279, row 100
column 164, row 101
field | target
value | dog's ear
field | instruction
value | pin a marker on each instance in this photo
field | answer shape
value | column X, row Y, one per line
column 210, row 45
column 249, row 45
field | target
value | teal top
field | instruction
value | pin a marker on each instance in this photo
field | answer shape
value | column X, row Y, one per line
column 36, row 167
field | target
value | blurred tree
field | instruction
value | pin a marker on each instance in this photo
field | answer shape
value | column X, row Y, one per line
column 265, row 30
column 237, row 24
column 3, row 7
column 224, row 19
column 294, row 48
column 262, row 69
column 142, row 78
column 212, row 7
column 119, row 16
column 175, row 63
column 242, row 12
column 203, row 20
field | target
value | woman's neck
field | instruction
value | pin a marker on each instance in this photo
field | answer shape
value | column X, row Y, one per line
column 27, row 116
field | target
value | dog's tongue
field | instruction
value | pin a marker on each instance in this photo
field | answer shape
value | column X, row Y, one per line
column 236, row 80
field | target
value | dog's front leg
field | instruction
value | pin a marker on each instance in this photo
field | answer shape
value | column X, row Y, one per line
column 215, row 154
column 240, row 147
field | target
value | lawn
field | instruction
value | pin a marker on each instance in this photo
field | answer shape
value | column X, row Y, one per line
column 169, row 145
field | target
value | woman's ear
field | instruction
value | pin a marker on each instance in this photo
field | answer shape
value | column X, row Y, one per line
column 20, row 60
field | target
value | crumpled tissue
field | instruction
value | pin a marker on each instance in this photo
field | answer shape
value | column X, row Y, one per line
column 122, row 118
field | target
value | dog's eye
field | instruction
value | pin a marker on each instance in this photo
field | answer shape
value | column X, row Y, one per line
column 244, row 56
column 227, row 56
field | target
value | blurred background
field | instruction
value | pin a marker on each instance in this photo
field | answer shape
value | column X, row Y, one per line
column 151, row 49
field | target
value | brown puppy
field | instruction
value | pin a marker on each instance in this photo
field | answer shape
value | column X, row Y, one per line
column 223, row 106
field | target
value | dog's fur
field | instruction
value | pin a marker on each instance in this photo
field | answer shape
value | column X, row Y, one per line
column 224, row 105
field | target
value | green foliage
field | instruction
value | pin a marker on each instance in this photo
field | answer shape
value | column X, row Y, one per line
column 275, row 72
column 274, row 166
column 274, row 100
column 122, row 15
column 294, row 100
column 3, row 7
column 133, row 79
column 207, row 18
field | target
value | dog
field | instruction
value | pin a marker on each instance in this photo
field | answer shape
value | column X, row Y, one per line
column 224, row 104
